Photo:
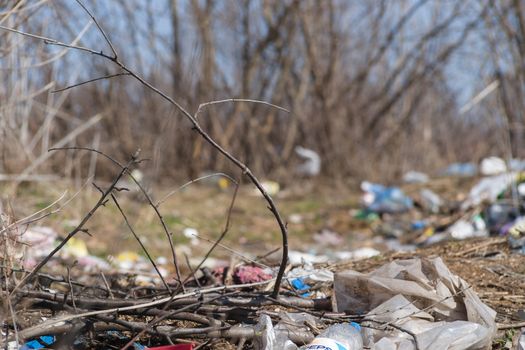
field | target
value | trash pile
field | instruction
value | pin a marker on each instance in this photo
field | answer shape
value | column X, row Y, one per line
column 492, row 207
column 56, row 294
column 405, row 304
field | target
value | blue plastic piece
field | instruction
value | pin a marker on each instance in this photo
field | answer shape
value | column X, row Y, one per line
column 419, row 225
column 387, row 199
column 40, row 343
column 298, row 284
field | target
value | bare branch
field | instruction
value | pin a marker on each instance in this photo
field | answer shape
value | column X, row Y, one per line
column 99, row 28
column 192, row 182
column 90, row 81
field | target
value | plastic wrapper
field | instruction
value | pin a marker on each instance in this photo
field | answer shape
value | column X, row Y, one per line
column 424, row 302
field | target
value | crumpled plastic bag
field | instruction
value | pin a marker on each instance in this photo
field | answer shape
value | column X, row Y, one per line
column 488, row 189
column 419, row 297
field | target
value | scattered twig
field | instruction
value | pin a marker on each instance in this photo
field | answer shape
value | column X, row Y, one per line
column 52, row 322
column 137, row 238
column 110, row 293
column 502, row 327
column 163, row 317
column 71, row 292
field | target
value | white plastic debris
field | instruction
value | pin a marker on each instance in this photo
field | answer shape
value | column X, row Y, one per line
column 295, row 218
column 488, row 189
column 328, row 237
column 39, row 242
column 93, row 263
column 430, row 200
column 312, row 162
column 421, row 297
column 310, row 274
column 358, row 254
column 297, row 258
column 265, row 334
column 340, row 336
column 521, row 341
column 463, row 229
column 415, row 177
column 293, row 328
column 137, row 175
column 493, row 166
column 40, row 238
column 192, row 234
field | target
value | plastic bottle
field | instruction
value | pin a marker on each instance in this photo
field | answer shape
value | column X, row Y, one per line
column 341, row 336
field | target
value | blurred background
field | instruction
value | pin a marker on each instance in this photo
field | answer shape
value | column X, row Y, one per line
column 375, row 88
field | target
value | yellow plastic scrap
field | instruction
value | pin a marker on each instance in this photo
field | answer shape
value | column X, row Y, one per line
column 223, row 183
column 429, row 231
column 517, row 230
column 128, row 256
column 76, row 247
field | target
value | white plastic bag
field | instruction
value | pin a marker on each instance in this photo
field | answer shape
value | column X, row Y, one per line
column 420, row 297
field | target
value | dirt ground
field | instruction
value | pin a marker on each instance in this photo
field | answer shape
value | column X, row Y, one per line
column 488, row 265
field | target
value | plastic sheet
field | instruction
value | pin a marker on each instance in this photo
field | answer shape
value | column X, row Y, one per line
column 419, row 297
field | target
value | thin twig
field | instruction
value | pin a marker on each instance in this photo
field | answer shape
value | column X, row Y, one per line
column 110, row 293
column 192, row 182
column 502, row 327
column 233, row 251
column 90, row 150
column 99, row 28
column 9, row 302
column 192, row 271
column 61, row 320
column 72, row 293
column 223, row 234
column 137, row 238
column 89, row 81
column 163, row 317
column 210, row 103
column 164, row 228
column 50, row 41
